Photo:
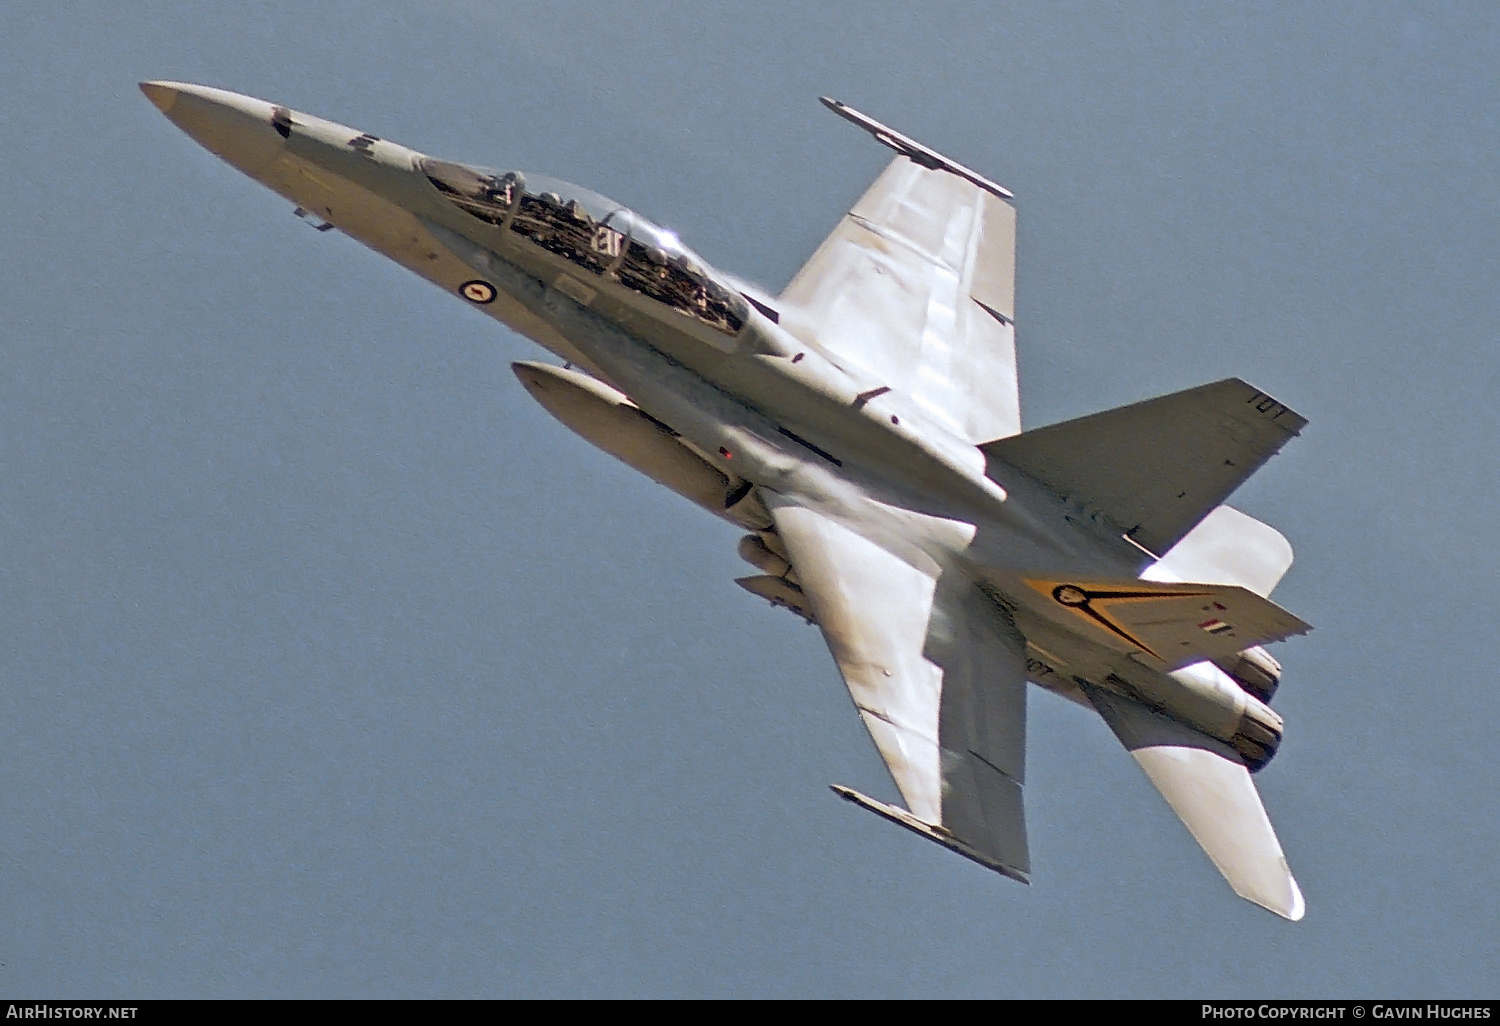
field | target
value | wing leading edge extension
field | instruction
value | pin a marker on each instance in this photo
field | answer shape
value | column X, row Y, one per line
column 939, row 678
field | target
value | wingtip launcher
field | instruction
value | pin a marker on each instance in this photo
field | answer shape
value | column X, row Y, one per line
column 913, row 150
column 905, row 819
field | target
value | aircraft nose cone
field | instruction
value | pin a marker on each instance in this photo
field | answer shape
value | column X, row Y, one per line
column 161, row 94
column 235, row 127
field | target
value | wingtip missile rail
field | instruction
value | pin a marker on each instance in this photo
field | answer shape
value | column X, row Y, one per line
column 917, row 153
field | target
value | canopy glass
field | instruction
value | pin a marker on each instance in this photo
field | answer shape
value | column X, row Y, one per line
column 594, row 233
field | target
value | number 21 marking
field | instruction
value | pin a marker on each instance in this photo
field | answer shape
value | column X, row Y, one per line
column 607, row 241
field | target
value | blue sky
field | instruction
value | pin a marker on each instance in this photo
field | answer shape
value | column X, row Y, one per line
column 331, row 665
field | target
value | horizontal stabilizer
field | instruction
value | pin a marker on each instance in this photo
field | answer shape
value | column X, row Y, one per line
column 1172, row 624
column 1210, row 789
column 1156, row 468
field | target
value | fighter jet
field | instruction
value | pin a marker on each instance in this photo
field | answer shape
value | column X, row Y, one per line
column 862, row 427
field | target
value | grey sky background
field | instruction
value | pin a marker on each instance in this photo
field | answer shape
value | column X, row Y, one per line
column 331, row 665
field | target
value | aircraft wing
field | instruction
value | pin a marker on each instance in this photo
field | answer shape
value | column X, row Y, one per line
column 1174, row 624
column 938, row 676
column 1210, row 789
column 916, row 285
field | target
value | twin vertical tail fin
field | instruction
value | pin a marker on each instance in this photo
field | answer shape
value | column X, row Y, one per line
column 1156, row 468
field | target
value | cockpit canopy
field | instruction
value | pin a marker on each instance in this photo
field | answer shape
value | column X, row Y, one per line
column 594, row 233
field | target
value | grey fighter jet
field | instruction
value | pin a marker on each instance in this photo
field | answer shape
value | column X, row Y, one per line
column 862, row 427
